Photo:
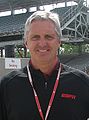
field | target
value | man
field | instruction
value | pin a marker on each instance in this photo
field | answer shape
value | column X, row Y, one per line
column 45, row 89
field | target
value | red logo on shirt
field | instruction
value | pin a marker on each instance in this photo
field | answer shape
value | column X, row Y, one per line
column 69, row 96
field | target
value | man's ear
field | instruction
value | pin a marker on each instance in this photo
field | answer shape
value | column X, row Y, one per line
column 25, row 44
column 59, row 43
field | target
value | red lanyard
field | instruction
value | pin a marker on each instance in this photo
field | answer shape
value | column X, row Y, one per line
column 51, row 98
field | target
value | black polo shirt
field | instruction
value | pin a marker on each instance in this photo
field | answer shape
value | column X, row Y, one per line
column 71, row 101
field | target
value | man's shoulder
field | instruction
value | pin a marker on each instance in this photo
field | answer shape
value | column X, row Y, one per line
column 13, row 75
column 77, row 73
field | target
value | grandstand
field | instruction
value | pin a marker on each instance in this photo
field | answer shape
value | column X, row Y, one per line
column 78, row 61
column 74, row 23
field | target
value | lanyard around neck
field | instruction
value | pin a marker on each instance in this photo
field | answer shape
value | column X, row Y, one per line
column 52, row 95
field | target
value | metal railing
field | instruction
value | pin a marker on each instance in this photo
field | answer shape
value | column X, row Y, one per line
column 71, row 13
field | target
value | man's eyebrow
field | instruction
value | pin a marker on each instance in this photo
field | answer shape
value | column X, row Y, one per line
column 35, row 35
column 50, row 34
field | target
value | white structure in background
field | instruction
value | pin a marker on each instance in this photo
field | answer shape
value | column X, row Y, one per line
column 12, row 63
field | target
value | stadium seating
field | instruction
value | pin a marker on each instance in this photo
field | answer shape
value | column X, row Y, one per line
column 80, row 61
column 13, row 23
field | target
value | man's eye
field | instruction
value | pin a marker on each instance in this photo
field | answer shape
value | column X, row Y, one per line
column 35, row 38
column 48, row 37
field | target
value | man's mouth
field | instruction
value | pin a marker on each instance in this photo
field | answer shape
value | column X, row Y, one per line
column 42, row 51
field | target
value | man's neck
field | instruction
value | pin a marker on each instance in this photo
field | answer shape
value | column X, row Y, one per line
column 46, row 68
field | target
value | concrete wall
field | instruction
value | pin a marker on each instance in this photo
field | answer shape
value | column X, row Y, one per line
column 4, row 71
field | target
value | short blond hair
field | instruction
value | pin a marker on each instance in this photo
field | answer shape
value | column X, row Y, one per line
column 44, row 15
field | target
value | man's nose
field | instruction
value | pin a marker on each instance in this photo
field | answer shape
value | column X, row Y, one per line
column 42, row 42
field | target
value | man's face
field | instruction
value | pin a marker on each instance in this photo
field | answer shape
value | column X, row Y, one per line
column 42, row 41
